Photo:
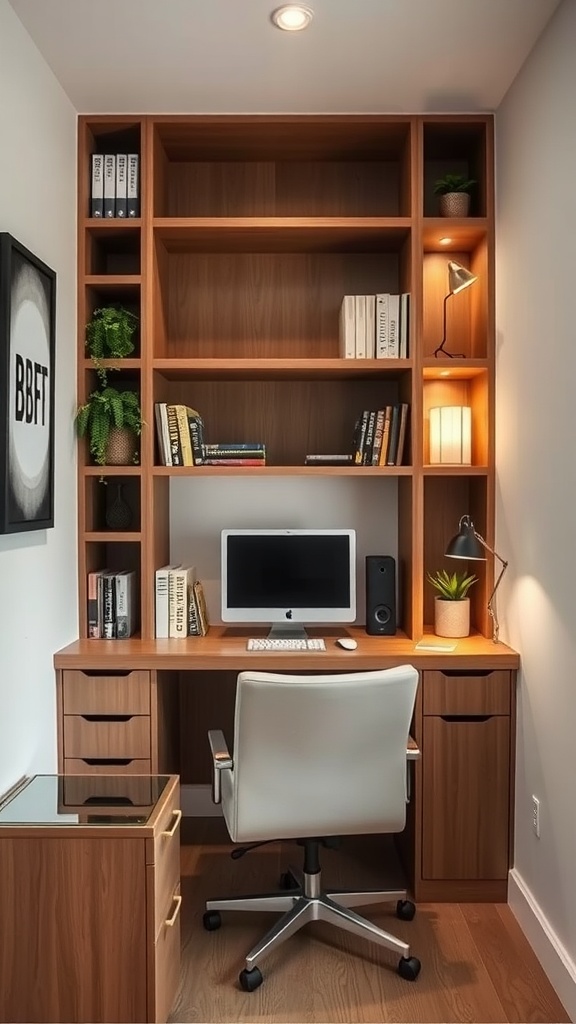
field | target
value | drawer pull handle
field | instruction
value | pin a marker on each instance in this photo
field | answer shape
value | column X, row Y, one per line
column 177, row 819
column 477, row 673
column 171, row 921
column 107, row 718
column 466, row 718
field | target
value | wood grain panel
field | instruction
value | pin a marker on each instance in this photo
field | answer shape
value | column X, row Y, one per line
column 84, row 959
column 465, row 798
column 86, row 694
column 164, row 967
column 112, row 766
column 466, row 693
column 206, row 702
column 107, row 738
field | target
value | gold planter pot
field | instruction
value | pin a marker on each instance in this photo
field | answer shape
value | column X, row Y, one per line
column 451, row 618
column 454, row 204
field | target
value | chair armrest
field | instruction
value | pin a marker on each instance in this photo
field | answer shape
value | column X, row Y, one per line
column 412, row 750
column 221, row 759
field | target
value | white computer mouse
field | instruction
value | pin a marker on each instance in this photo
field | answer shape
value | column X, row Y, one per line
column 347, row 643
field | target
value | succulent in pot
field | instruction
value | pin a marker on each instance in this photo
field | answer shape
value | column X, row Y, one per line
column 452, row 604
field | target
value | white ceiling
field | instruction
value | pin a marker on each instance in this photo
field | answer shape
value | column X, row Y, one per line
column 225, row 56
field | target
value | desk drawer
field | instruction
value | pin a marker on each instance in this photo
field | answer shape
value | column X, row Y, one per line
column 107, row 766
column 462, row 693
column 166, row 867
column 121, row 694
column 124, row 737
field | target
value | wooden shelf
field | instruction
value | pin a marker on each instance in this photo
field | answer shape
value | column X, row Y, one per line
column 281, row 234
column 287, row 369
column 350, row 471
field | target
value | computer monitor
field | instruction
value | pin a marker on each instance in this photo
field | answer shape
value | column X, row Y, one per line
column 288, row 578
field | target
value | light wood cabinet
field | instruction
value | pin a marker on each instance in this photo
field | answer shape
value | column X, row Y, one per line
column 90, row 899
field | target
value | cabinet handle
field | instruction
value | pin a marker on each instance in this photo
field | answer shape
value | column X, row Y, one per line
column 170, row 921
column 177, row 819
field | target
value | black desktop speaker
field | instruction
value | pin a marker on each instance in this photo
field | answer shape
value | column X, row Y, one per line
column 380, row 595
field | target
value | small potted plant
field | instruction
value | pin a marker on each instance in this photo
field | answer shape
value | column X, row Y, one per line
column 109, row 332
column 454, row 191
column 112, row 421
column 452, row 605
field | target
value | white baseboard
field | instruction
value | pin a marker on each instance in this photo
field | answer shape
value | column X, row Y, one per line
column 196, row 802
column 553, row 956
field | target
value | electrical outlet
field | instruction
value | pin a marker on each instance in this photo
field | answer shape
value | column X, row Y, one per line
column 536, row 816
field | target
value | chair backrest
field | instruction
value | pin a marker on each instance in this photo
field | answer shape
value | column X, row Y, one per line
column 319, row 755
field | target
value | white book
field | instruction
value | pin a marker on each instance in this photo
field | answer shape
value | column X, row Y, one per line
column 404, row 325
column 125, row 603
column 97, row 186
column 370, row 326
column 347, row 328
column 394, row 326
column 179, row 583
column 382, row 325
column 360, row 311
column 133, row 187
column 109, row 185
column 162, row 587
column 121, row 184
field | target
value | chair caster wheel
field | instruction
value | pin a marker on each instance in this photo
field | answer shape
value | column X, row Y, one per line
column 250, row 980
column 405, row 910
column 409, row 968
column 212, row 920
column 287, row 881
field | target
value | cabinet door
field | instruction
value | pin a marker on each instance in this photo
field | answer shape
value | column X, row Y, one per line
column 465, row 774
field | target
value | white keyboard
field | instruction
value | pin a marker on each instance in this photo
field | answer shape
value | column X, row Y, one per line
column 285, row 644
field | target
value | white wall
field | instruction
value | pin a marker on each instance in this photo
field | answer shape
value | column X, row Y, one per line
column 38, row 603
column 536, row 401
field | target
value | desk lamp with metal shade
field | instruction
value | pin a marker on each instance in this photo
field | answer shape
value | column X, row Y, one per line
column 459, row 278
column 468, row 544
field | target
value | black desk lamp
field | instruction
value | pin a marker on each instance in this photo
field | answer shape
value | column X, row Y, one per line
column 470, row 545
column 458, row 279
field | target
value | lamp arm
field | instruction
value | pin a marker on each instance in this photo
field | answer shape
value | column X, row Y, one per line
column 491, row 599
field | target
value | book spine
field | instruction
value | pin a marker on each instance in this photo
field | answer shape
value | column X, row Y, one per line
column 234, row 449
column 201, row 606
column 109, row 185
column 124, row 604
column 378, row 435
column 369, row 440
column 133, row 186
column 193, row 617
column 393, row 439
column 109, row 610
column 121, row 184
column 97, row 186
column 93, row 624
column 184, row 435
column 174, row 435
column 196, row 429
column 235, row 462
column 403, row 415
column 360, row 313
column 404, row 325
column 347, row 328
column 381, row 344
column 382, row 459
column 182, row 579
column 360, row 435
column 370, row 326
column 393, row 326
column 161, row 602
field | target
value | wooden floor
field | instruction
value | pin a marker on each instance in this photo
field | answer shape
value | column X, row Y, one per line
column 476, row 964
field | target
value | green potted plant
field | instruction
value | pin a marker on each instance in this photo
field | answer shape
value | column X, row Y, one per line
column 452, row 604
column 454, row 191
column 109, row 332
column 112, row 421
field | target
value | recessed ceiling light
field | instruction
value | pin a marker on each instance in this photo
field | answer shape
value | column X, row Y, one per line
column 445, row 241
column 292, row 17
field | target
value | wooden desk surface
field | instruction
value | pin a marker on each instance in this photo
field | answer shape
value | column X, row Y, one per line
column 225, row 648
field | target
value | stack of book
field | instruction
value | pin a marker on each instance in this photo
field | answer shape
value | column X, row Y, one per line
column 233, row 454
column 180, row 433
column 374, row 326
column 112, row 604
column 179, row 603
column 114, row 188
column 380, row 436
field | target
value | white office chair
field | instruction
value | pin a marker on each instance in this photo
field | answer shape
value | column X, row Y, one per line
column 315, row 756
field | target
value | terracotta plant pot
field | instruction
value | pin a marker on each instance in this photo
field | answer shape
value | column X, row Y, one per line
column 451, row 618
column 454, row 204
column 122, row 447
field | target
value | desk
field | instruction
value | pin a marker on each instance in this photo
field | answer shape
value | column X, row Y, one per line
column 120, row 704
column 90, row 896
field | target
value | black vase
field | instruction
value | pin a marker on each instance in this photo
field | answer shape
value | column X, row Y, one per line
column 118, row 512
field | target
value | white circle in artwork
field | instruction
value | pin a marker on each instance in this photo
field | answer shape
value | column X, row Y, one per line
column 29, row 413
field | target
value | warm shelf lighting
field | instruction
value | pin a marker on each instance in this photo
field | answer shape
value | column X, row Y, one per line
column 451, row 435
column 445, row 241
column 292, row 17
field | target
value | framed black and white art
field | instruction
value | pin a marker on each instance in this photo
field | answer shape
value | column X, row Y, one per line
column 27, row 350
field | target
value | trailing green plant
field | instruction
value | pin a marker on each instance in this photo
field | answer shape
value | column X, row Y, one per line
column 453, row 183
column 109, row 332
column 106, row 408
column 451, row 587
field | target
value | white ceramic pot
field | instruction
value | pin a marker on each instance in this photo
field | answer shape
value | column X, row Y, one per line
column 451, row 618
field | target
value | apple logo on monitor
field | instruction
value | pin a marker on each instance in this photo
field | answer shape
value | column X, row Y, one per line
column 289, row 614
